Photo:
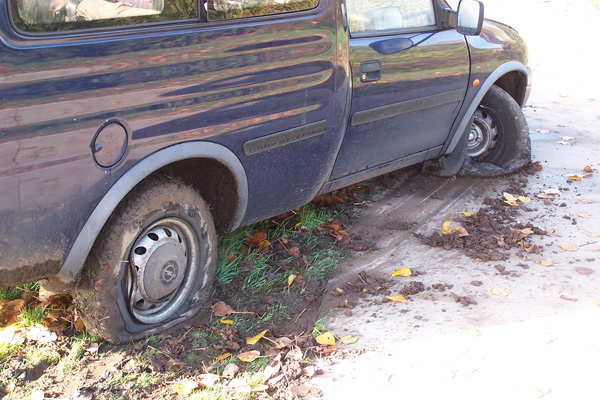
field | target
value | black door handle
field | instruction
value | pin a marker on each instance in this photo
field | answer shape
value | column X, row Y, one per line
column 370, row 71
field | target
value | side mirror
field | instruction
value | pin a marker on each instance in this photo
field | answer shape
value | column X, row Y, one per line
column 469, row 17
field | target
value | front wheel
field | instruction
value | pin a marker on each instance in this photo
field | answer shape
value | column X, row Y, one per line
column 152, row 265
column 498, row 141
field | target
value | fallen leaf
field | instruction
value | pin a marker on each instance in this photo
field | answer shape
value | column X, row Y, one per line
column 257, row 240
column 467, row 213
column 80, row 325
column 282, row 342
column 446, row 227
column 471, row 332
column 230, row 371
column 226, row 321
column 220, row 309
column 185, row 387
column 542, row 130
column 291, row 279
column 567, row 138
column 544, row 196
column 230, row 257
column 568, row 246
column 398, row 298
column 587, row 168
column 294, row 252
column 10, row 312
column 574, row 177
column 326, row 339
column 255, row 339
column 569, row 298
column 501, row 292
column 527, row 231
column 585, row 215
column 564, row 143
column 348, row 339
column 249, row 356
column 208, row 380
column 223, row 356
column 524, row 199
column 537, row 165
column 510, row 199
column 593, row 234
column 462, row 232
column 404, row 271
column 588, row 201
column 544, row 263
column 553, row 191
column 272, row 368
column 294, row 354
column 584, row 270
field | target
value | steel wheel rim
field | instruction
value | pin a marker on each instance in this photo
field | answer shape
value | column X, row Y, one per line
column 163, row 267
column 484, row 134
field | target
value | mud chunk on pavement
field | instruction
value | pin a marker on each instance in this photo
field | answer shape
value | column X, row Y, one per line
column 412, row 288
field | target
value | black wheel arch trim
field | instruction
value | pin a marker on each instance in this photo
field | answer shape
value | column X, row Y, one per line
column 68, row 274
column 510, row 66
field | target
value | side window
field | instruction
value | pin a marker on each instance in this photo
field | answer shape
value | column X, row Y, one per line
column 382, row 15
column 226, row 9
column 57, row 15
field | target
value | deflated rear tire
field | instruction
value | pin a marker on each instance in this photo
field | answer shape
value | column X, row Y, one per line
column 152, row 266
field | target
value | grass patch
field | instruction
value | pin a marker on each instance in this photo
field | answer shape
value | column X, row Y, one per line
column 72, row 361
column 15, row 292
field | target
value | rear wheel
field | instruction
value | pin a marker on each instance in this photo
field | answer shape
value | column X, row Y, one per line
column 152, row 266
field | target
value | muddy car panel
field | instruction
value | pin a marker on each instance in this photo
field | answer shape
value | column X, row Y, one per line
column 255, row 113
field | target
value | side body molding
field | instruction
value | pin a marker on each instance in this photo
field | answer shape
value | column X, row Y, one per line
column 503, row 69
column 70, row 269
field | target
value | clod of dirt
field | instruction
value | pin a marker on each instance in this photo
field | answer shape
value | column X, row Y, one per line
column 476, row 283
column 412, row 288
column 464, row 300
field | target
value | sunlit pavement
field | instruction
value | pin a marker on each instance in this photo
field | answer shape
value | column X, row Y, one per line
column 541, row 341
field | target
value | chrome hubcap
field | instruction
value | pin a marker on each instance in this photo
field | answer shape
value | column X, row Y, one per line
column 483, row 135
column 163, row 267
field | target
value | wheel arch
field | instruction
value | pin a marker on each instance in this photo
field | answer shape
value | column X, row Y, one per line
column 219, row 167
column 512, row 77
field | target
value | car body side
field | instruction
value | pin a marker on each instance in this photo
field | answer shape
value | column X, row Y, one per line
column 252, row 114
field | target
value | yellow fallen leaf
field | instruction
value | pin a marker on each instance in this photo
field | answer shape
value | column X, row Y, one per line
column 348, row 339
column 291, row 279
column 511, row 202
column 593, row 234
column 467, row 213
column 524, row 199
column 185, row 387
column 326, row 339
column 446, row 227
column 574, row 177
column 527, row 231
column 249, row 356
column 470, row 332
column 398, row 298
column 404, row 271
column 226, row 321
column 568, row 246
column 223, row 356
column 255, row 339
column 544, row 263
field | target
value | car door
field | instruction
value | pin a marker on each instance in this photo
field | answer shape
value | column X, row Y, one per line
column 409, row 80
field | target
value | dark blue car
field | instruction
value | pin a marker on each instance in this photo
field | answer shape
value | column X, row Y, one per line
column 132, row 133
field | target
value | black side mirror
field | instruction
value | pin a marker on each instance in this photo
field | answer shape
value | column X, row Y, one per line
column 469, row 17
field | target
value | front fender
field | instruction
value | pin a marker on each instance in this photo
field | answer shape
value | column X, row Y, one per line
column 68, row 274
